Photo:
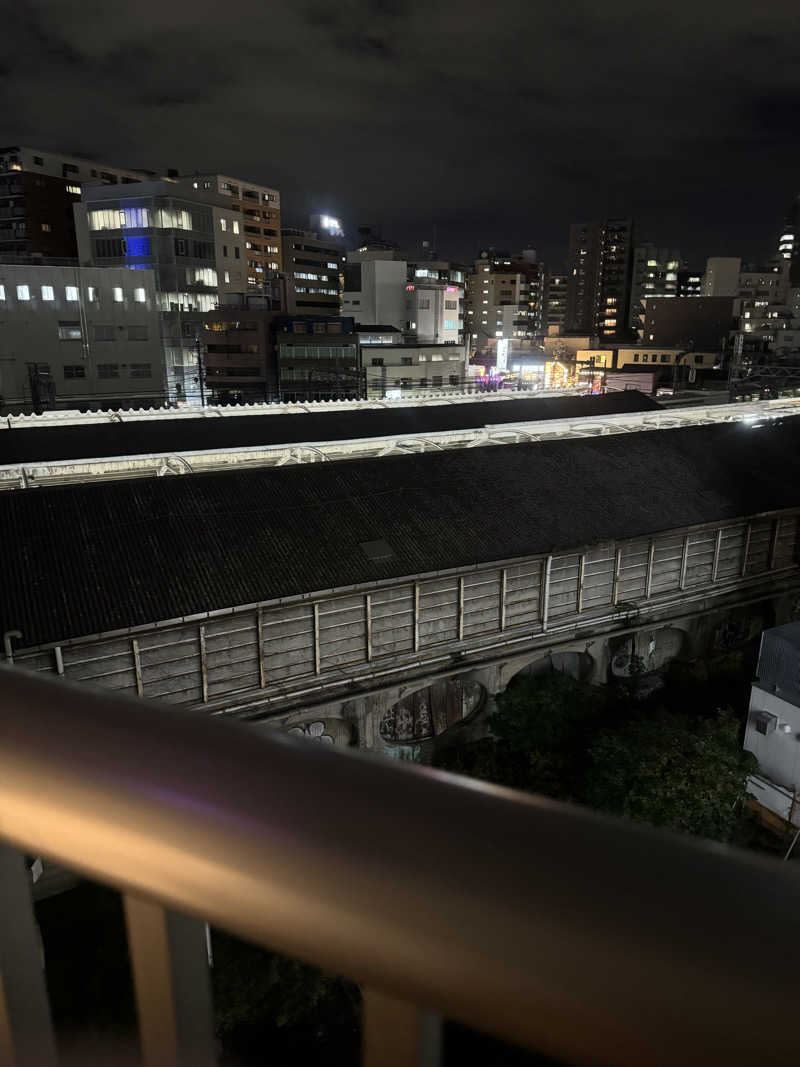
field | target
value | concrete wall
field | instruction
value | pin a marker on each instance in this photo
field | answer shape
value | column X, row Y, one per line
column 102, row 320
column 354, row 654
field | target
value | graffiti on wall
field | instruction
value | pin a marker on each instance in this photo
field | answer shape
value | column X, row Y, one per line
column 429, row 712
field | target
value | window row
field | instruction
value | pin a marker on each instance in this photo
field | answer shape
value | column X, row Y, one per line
column 109, row 370
column 71, row 330
column 72, row 294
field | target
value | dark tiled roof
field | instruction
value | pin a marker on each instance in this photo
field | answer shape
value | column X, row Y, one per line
column 84, row 559
column 186, row 435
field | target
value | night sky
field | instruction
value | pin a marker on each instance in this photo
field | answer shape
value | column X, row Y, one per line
column 496, row 123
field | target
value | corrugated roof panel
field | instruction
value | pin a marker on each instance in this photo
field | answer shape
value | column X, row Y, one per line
column 84, row 559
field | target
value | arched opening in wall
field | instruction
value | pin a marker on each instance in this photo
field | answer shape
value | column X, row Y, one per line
column 430, row 711
column 577, row 665
column 645, row 652
column 740, row 626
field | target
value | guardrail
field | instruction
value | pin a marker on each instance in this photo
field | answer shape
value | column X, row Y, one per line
column 588, row 938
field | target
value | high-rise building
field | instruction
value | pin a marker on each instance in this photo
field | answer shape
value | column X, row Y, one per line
column 555, row 302
column 583, row 277
column 37, row 192
column 259, row 209
column 599, row 278
column 616, row 277
column 506, row 297
column 314, row 265
column 655, row 274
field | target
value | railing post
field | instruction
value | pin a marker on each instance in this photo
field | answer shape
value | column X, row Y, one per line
column 398, row 1034
column 26, row 1029
column 169, row 958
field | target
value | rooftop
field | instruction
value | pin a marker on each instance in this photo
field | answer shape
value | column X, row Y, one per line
column 87, row 559
column 143, row 437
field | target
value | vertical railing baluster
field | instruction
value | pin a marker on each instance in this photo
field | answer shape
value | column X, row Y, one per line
column 26, row 1029
column 398, row 1034
column 169, row 958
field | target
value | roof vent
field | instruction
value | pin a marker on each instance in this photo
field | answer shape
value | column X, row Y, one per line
column 377, row 550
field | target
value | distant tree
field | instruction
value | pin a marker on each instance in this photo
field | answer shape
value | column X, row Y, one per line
column 671, row 760
column 672, row 771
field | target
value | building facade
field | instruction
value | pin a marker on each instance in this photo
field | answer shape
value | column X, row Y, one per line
column 395, row 370
column 258, row 208
column 37, row 192
column 79, row 337
column 773, row 726
column 192, row 240
column 655, row 274
column 555, row 301
column 315, row 266
column 423, row 298
column 721, row 277
column 599, row 278
column 689, row 322
column 318, row 358
column 505, row 299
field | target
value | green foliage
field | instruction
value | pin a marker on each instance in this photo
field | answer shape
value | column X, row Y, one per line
column 672, row 771
column 266, row 1001
column 672, row 760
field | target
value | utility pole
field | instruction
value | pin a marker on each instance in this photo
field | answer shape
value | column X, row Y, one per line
column 200, row 375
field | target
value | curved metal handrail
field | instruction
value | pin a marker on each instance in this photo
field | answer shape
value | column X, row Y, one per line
column 593, row 939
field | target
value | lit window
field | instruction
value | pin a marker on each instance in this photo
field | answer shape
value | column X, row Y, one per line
column 223, row 224
column 45, row 227
column 139, row 296
column 48, row 293
column 91, row 294
column 331, row 266
column 71, row 293
column 23, row 292
column 235, row 225
column 227, row 277
column 2, row 292
column 117, row 294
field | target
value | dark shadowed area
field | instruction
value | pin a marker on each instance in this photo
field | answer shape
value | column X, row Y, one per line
column 496, row 128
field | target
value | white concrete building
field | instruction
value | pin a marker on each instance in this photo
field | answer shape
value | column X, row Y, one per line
column 773, row 725
column 423, row 299
column 79, row 337
column 395, row 370
column 375, row 290
column 722, row 276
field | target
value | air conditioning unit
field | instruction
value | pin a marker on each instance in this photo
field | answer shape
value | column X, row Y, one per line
column 764, row 722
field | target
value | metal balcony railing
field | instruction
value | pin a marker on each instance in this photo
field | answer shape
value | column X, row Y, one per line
column 591, row 939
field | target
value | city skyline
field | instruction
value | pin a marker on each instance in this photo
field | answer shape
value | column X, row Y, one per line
column 409, row 118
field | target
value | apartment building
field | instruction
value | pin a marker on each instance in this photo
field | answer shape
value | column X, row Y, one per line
column 505, row 297
column 38, row 189
column 314, row 265
column 599, row 278
column 79, row 337
column 655, row 274
column 259, row 209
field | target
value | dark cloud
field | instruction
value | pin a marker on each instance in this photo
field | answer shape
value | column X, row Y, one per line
column 493, row 124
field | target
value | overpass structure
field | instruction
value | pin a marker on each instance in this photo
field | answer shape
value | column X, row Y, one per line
column 378, row 601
